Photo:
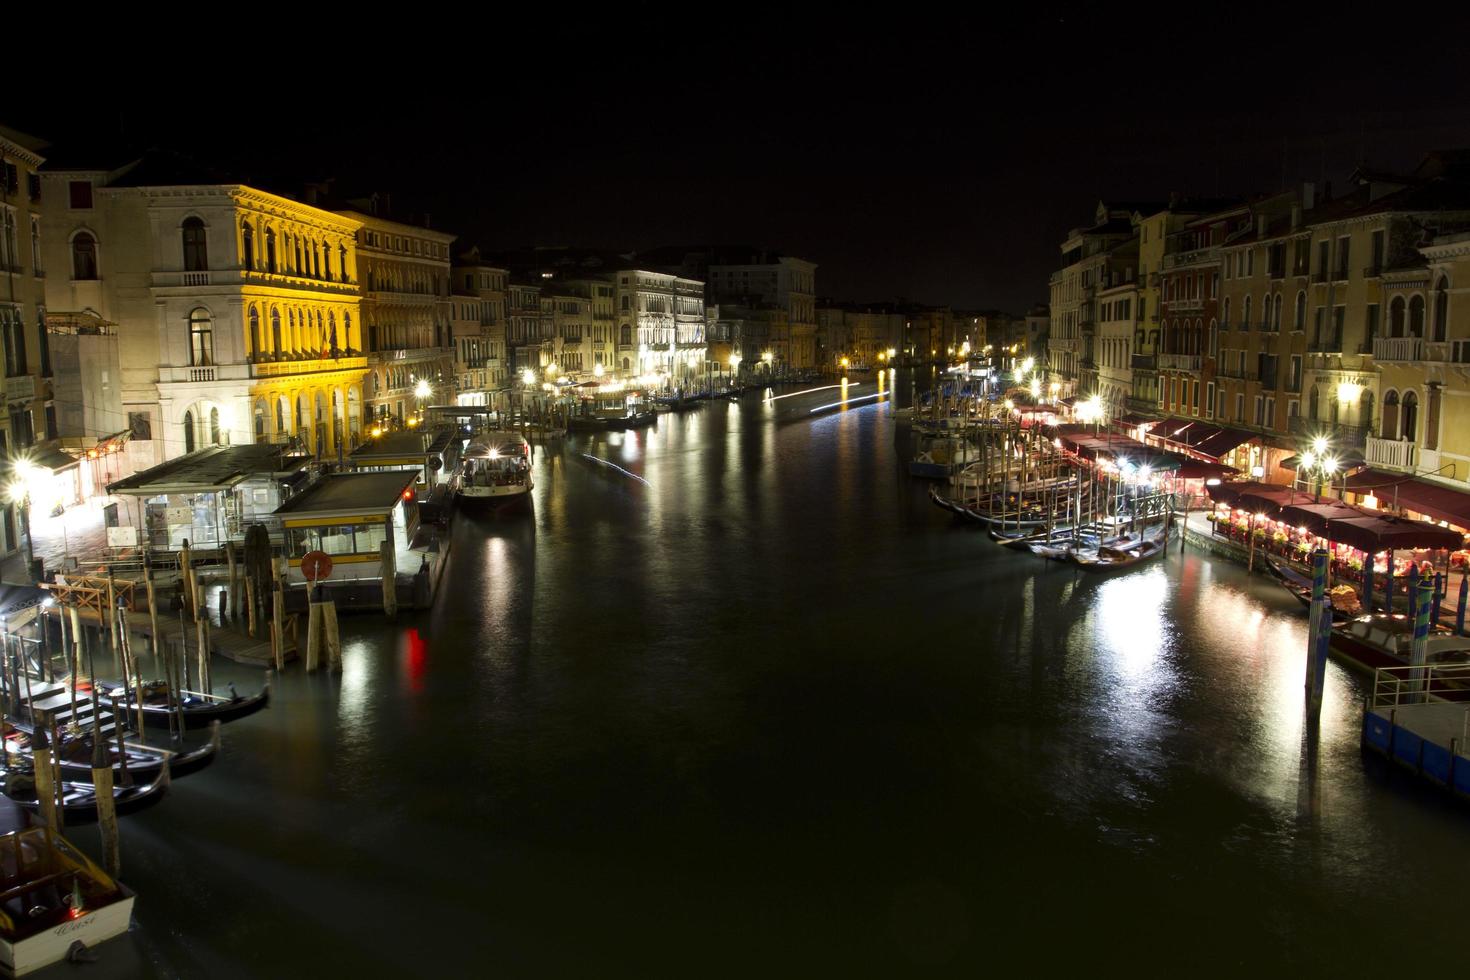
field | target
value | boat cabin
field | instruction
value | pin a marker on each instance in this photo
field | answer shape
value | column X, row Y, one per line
column 496, row 459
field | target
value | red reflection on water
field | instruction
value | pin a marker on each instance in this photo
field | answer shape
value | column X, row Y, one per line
column 416, row 654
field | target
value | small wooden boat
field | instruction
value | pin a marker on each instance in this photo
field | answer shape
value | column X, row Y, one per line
column 639, row 420
column 197, row 709
column 79, row 799
column 1300, row 586
column 1123, row 553
column 52, row 898
column 1386, row 640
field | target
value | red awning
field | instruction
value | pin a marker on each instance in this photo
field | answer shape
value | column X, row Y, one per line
column 1198, row 469
column 1222, row 442
column 1411, row 493
column 1376, row 534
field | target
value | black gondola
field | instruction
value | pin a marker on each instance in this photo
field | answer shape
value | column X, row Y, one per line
column 144, row 762
column 79, row 800
column 198, row 711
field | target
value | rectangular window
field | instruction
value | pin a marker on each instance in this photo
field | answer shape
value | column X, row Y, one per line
column 1376, row 265
column 1260, row 410
column 1239, row 407
column 141, row 426
column 1344, row 249
column 1322, row 247
column 1210, row 400
column 1372, row 320
column 51, row 430
column 80, row 192
column 1293, row 408
column 1270, row 412
column 1194, row 397
column 1294, row 380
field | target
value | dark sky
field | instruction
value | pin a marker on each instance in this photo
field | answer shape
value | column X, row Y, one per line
column 942, row 166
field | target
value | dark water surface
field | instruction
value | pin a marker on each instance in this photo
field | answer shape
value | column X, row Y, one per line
column 772, row 712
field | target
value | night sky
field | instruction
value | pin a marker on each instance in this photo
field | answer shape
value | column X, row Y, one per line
column 942, row 169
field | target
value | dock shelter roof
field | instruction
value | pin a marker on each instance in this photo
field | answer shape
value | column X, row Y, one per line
column 212, row 469
column 1085, row 443
column 339, row 495
column 402, row 447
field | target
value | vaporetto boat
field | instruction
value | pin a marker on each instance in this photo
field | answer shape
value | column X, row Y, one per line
column 495, row 471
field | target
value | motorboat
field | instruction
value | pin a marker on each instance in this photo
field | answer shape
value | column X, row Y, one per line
column 495, row 470
column 53, row 897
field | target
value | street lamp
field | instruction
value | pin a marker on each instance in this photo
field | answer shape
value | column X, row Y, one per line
column 18, row 492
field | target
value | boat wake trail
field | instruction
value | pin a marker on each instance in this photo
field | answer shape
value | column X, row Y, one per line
column 631, row 476
column 850, row 401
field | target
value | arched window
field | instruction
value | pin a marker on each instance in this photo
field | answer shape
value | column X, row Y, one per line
column 276, row 331
column 1245, row 314
column 1214, row 340
column 1416, row 317
column 1299, row 320
column 281, row 414
column 247, row 246
column 332, row 333
column 1441, row 308
column 188, row 432
column 342, row 261
column 83, row 256
column 196, row 250
column 298, row 267
column 1365, row 410
column 626, row 364
column 1391, row 415
column 626, row 337
column 270, row 250
column 1312, row 403
column 1410, row 413
column 1396, row 317
column 347, row 331
column 1276, row 313
column 255, row 339
column 201, row 338
column 214, row 426
column 1225, row 314
column 260, row 415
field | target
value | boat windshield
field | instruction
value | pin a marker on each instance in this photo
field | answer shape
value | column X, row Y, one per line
column 496, row 470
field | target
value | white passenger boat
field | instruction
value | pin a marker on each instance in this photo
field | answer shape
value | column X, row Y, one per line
column 495, row 471
column 51, row 898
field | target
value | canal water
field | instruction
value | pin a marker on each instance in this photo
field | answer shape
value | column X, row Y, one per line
column 735, row 699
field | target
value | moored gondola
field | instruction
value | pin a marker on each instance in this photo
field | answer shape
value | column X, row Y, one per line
column 79, row 799
column 144, row 762
column 197, row 709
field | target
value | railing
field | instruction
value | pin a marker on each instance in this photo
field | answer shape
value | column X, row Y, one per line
column 1390, row 452
column 196, row 279
column 201, row 374
column 1406, row 686
column 1144, row 362
column 1179, row 362
column 19, row 387
column 1396, row 348
column 1326, row 345
column 1186, row 305
column 276, row 369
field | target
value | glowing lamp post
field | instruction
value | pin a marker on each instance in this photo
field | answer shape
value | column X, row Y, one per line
column 18, row 492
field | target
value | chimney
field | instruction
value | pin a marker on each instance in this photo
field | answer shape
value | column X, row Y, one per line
column 1296, row 216
column 1260, row 226
column 1309, row 195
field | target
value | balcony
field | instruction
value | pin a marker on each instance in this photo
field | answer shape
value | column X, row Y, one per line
column 320, row 365
column 1145, row 362
column 1341, row 435
column 1179, row 362
column 22, row 387
column 1398, row 453
column 1397, row 348
column 1331, row 344
column 1185, row 305
column 202, row 373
